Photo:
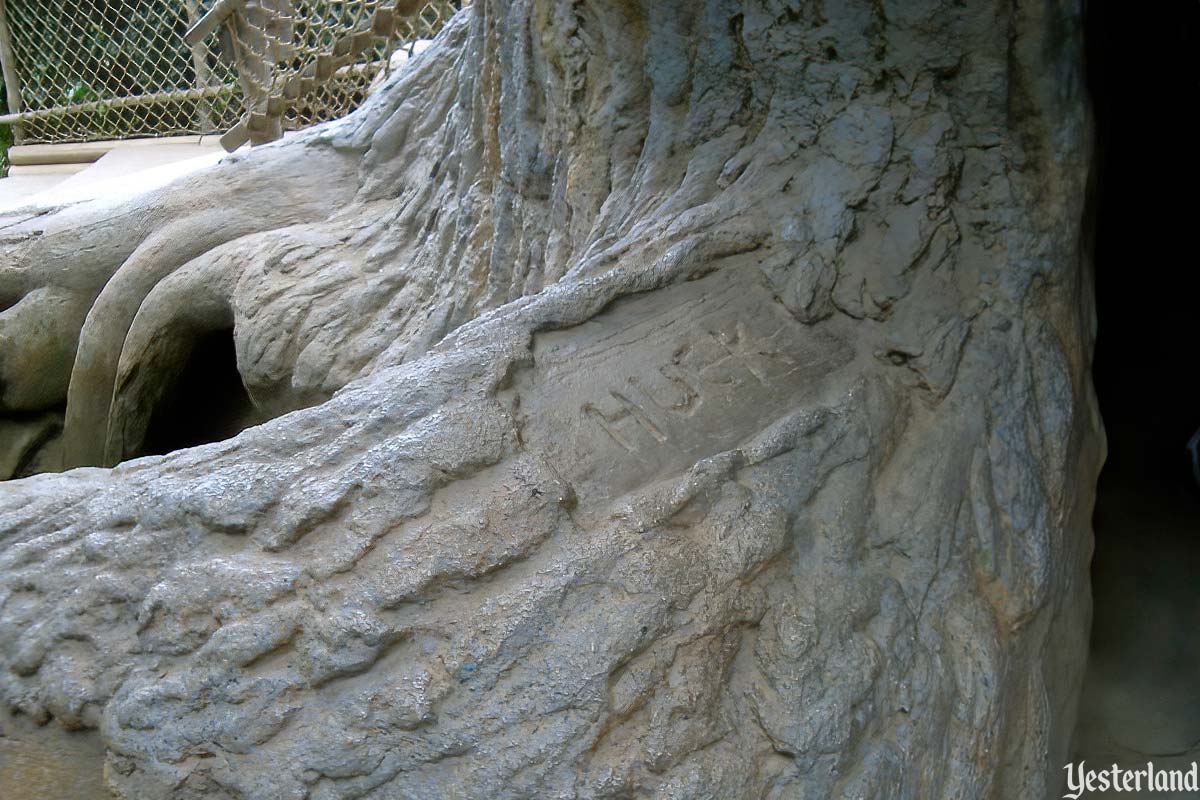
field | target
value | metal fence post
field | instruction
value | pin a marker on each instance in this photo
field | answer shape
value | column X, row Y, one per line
column 12, row 81
column 204, row 116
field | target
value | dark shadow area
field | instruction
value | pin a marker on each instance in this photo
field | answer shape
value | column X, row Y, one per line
column 38, row 441
column 1142, row 692
column 207, row 403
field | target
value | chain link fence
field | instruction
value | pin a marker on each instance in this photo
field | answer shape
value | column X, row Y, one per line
column 85, row 70
column 346, row 88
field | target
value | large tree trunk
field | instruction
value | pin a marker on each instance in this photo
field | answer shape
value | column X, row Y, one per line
column 694, row 402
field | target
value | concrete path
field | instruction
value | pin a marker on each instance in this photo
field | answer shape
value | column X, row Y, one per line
column 124, row 168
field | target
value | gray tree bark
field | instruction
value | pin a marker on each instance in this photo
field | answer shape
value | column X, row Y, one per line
column 670, row 399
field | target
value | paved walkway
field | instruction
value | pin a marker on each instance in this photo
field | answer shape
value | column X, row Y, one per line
column 128, row 167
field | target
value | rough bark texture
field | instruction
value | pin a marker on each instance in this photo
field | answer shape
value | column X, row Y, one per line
column 694, row 402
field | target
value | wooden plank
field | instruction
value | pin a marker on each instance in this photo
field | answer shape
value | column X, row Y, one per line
column 28, row 155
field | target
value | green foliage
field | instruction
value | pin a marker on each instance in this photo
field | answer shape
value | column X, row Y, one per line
column 80, row 92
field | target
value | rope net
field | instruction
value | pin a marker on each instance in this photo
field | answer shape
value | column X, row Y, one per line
column 87, row 70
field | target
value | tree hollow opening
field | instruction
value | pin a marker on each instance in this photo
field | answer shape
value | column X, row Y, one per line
column 207, row 402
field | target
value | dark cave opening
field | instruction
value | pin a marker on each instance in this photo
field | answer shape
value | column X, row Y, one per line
column 206, row 403
column 1141, row 698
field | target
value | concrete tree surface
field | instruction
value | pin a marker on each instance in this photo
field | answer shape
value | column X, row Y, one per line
column 664, row 399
